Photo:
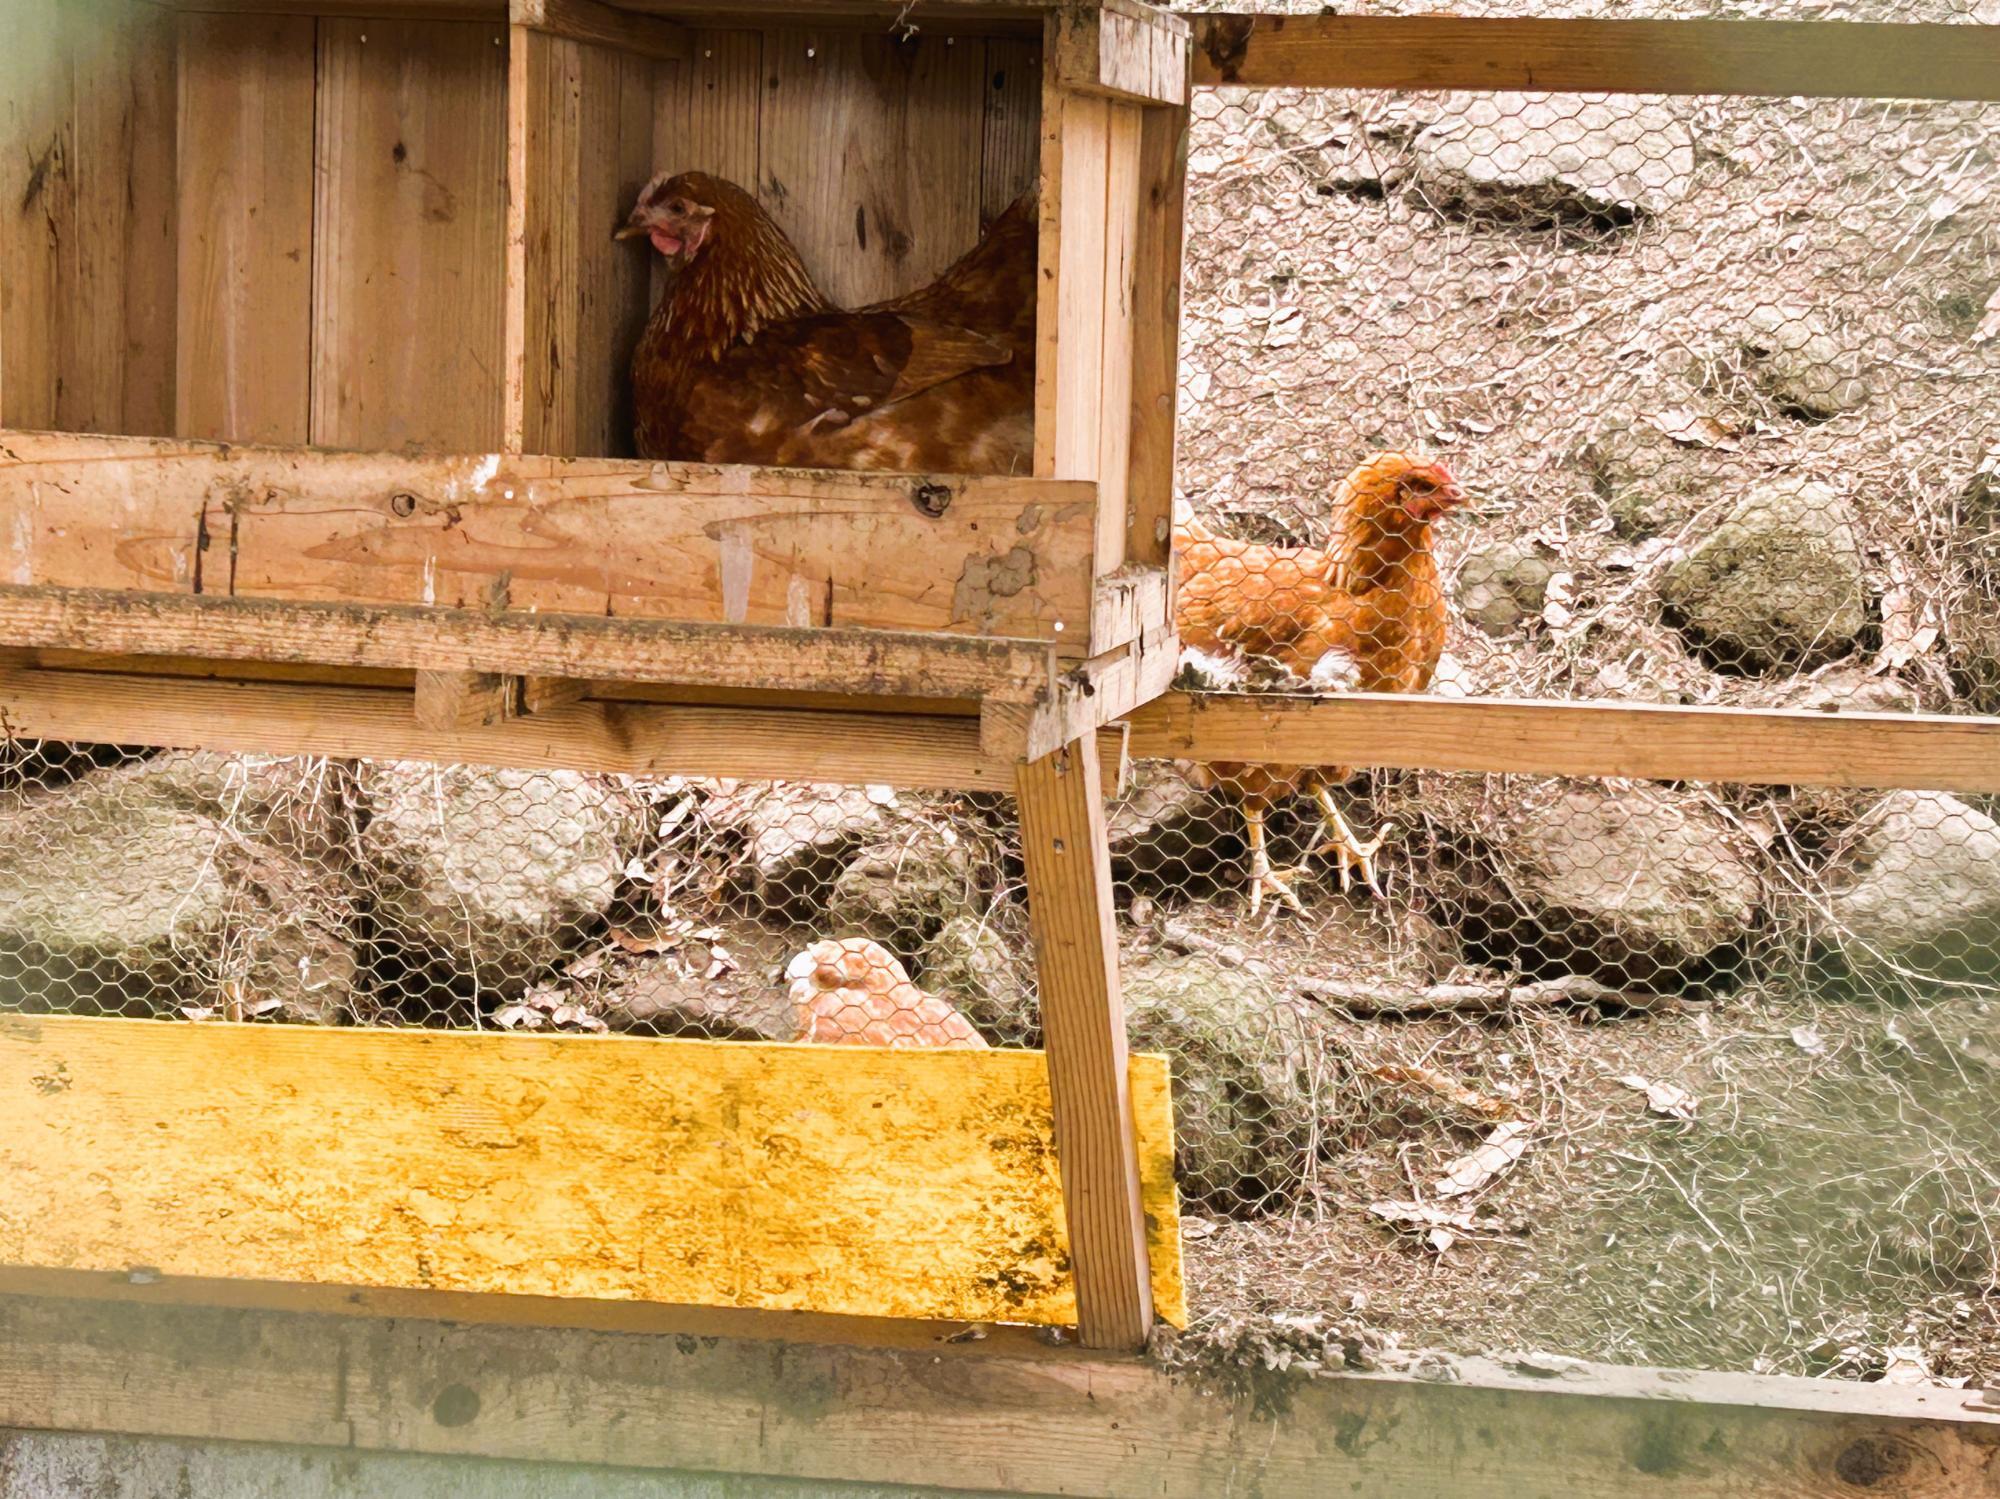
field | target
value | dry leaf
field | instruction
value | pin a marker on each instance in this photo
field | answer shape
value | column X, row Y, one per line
column 643, row 945
column 517, row 1017
column 1561, row 593
column 1662, row 1098
column 1447, row 1089
column 1286, row 327
column 1693, row 429
column 1475, row 1169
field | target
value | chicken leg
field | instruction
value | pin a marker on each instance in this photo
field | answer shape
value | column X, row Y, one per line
column 1262, row 876
column 1348, row 848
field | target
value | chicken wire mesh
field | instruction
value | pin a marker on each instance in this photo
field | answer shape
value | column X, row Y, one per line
column 1679, row 400
column 1697, row 1075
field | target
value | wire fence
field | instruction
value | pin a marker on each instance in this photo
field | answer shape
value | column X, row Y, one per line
column 1700, row 402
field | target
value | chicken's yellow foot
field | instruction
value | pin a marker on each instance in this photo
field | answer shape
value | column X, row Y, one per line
column 1262, row 876
column 1352, row 853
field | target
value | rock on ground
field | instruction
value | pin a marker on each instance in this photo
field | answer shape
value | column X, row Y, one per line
column 1250, row 1077
column 1503, row 584
column 983, row 962
column 1558, row 156
column 798, row 837
column 133, row 891
column 1637, row 887
column 1919, row 890
column 1798, row 360
column 903, row 887
column 484, row 879
column 1651, row 483
column 1780, row 584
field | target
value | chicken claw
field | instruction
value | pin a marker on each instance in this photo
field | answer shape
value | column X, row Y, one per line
column 1352, row 852
column 1262, row 876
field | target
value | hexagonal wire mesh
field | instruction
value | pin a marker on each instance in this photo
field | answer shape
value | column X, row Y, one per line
column 1700, row 1075
column 1701, row 403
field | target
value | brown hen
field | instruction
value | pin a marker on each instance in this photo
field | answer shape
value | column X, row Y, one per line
column 1366, row 614
column 744, row 360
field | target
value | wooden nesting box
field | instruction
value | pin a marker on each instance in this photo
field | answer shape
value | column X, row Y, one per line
column 239, row 234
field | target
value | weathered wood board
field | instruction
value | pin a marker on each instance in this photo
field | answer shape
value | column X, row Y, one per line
column 87, row 240
column 853, row 1180
column 1762, row 746
column 409, row 225
column 1003, row 557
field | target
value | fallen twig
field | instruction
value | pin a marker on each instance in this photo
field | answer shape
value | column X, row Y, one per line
column 1368, row 1001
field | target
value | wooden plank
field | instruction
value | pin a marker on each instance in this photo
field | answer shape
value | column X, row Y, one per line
column 152, row 226
column 1765, row 59
column 410, row 224
column 581, row 536
column 1069, row 368
column 1156, row 336
column 261, row 709
column 244, row 351
column 580, row 127
column 862, row 662
column 869, row 155
column 615, row 291
column 1101, row 690
column 543, row 291
column 404, row 10
column 859, row 1180
column 1012, row 145
column 982, row 1414
column 114, row 311
column 1120, row 279
column 1068, row 867
column 1761, row 746
column 1134, row 601
column 604, row 26
column 447, row 701
column 38, row 126
column 920, row 751
column 1133, row 53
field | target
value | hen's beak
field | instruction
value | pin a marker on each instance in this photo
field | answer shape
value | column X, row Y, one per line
column 630, row 231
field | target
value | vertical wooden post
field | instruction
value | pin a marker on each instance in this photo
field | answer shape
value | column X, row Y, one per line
column 1156, row 334
column 1083, row 1022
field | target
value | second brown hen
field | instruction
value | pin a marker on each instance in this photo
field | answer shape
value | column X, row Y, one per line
column 745, row 361
column 1366, row 614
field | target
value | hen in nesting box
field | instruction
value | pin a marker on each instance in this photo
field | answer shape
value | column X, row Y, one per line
column 744, row 361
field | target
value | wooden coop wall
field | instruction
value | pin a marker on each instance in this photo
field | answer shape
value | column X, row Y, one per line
column 259, row 228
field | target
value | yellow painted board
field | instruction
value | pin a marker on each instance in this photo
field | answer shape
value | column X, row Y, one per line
column 846, row 1179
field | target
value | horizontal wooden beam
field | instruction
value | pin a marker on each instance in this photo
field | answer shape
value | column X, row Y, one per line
column 1123, row 51
column 608, row 738
column 844, row 1179
column 585, row 536
column 400, row 10
column 1774, row 59
column 1780, row 747
column 976, row 1414
column 128, row 623
column 604, row 26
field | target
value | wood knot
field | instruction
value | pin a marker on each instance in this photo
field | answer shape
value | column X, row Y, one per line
column 403, row 504
column 932, row 499
column 1226, row 40
column 1869, row 1462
